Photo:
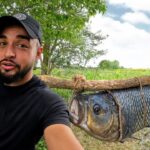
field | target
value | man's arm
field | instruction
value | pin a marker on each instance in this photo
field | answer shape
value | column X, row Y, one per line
column 61, row 137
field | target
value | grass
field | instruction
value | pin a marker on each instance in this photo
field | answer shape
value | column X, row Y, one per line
column 88, row 142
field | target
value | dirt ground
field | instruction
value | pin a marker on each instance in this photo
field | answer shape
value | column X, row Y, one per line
column 139, row 141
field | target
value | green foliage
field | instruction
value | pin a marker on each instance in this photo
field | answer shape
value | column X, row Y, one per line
column 41, row 145
column 107, row 64
column 62, row 22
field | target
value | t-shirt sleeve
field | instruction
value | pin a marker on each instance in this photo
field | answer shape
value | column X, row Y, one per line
column 53, row 110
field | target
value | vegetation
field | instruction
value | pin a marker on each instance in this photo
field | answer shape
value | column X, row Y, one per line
column 107, row 64
column 63, row 23
column 87, row 141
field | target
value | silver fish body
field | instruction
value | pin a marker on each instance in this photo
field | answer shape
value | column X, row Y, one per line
column 112, row 115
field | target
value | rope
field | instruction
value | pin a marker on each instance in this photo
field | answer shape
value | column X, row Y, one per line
column 79, row 81
column 120, row 116
column 143, row 100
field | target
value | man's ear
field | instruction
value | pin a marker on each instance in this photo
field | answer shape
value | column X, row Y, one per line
column 39, row 52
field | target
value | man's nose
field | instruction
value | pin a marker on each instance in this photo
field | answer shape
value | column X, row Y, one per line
column 10, row 51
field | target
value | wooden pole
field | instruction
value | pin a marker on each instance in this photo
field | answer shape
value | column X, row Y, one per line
column 80, row 83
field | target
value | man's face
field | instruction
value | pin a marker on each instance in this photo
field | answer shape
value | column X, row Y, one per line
column 18, row 54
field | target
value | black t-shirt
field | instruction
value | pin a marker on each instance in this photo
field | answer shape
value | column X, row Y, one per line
column 25, row 111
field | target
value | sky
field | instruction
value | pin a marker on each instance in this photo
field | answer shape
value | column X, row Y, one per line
column 127, row 24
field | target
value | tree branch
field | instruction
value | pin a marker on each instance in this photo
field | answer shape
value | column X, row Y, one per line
column 80, row 83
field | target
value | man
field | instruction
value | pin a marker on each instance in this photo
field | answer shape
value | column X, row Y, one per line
column 28, row 109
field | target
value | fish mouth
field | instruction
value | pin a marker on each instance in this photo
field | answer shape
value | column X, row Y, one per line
column 76, row 111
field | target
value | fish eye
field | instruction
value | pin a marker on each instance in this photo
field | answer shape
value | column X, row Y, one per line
column 96, row 109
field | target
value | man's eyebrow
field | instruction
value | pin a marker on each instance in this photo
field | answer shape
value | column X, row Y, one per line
column 24, row 37
column 18, row 36
column 2, row 36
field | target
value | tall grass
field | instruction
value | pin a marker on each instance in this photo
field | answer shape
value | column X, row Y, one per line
column 88, row 142
column 98, row 74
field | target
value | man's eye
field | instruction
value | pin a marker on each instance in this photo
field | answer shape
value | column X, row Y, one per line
column 22, row 46
column 2, row 44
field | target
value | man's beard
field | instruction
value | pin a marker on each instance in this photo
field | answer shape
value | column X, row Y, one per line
column 17, row 76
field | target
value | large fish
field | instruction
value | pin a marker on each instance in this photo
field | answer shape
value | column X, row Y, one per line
column 112, row 115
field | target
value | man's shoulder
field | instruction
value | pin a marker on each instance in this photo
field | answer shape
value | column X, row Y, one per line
column 46, row 94
column 44, row 97
column 42, row 91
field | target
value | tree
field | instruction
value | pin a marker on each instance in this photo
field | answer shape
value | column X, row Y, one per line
column 79, row 52
column 62, row 22
column 91, row 45
column 107, row 64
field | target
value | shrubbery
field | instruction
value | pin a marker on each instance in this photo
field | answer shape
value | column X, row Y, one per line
column 107, row 64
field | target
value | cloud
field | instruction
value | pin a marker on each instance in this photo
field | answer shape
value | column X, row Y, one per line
column 136, row 17
column 126, row 43
column 135, row 5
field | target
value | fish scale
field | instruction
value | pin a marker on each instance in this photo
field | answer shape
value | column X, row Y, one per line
column 132, row 108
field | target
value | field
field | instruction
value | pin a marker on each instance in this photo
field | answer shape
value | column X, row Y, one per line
column 140, row 140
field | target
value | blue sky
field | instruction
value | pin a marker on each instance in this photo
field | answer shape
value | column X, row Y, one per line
column 127, row 22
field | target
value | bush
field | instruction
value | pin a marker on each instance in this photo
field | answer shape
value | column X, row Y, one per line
column 107, row 64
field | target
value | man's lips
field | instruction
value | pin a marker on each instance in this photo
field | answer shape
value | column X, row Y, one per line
column 8, row 65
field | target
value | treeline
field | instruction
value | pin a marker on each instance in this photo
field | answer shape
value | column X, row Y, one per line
column 108, row 64
column 104, row 64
